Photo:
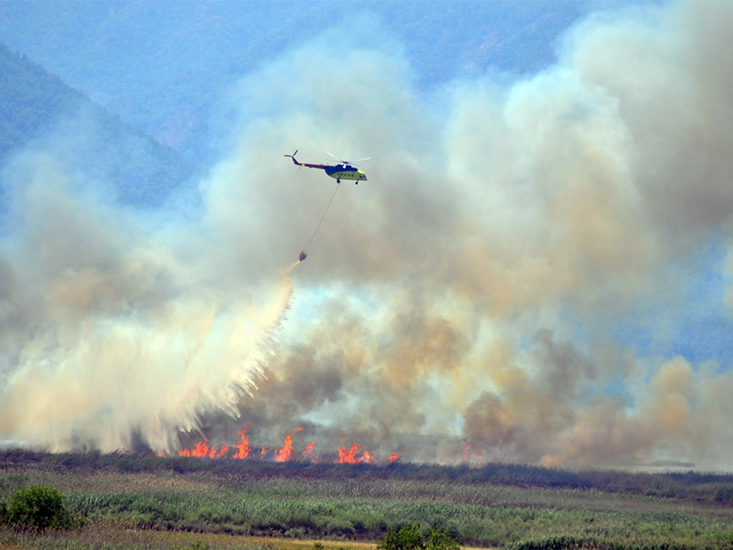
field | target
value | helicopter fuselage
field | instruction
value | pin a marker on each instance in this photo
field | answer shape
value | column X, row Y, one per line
column 345, row 172
column 341, row 171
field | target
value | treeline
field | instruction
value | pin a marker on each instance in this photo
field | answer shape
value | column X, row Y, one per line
column 690, row 485
column 36, row 106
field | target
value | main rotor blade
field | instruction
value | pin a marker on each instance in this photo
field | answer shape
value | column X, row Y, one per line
column 346, row 161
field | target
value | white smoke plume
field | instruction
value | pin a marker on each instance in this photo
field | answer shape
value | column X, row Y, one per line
column 116, row 330
column 511, row 282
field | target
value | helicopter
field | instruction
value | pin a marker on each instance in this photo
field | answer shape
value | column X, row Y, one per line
column 341, row 171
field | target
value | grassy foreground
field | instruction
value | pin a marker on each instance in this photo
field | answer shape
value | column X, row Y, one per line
column 153, row 502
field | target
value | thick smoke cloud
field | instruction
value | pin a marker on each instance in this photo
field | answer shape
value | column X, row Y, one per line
column 476, row 291
column 473, row 301
column 111, row 330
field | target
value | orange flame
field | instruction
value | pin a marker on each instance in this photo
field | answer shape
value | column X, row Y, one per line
column 284, row 454
column 466, row 452
column 349, row 457
column 368, row 457
column 308, row 448
column 243, row 448
column 352, row 455
column 201, row 450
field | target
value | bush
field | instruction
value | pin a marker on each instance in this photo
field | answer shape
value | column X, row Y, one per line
column 37, row 508
column 407, row 538
column 441, row 539
column 410, row 538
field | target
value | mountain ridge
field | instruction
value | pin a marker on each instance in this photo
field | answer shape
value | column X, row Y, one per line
column 163, row 66
column 33, row 101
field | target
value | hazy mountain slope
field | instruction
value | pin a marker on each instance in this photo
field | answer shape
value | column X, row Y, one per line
column 31, row 98
column 34, row 103
column 162, row 66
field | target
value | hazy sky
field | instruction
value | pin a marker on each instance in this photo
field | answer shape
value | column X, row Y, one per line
column 537, row 267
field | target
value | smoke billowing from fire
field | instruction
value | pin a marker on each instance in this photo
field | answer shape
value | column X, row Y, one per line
column 478, row 299
column 117, row 328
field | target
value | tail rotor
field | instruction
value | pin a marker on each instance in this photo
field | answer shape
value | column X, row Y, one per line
column 293, row 157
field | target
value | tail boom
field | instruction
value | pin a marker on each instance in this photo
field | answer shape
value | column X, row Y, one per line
column 306, row 164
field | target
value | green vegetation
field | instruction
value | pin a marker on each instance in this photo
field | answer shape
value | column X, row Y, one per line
column 428, row 505
column 442, row 539
column 407, row 538
column 36, row 508
column 410, row 537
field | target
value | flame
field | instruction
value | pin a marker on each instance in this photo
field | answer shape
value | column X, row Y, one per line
column 368, row 457
column 243, row 448
column 349, row 457
column 202, row 449
column 352, row 455
column 308, row 448
column 284, row 454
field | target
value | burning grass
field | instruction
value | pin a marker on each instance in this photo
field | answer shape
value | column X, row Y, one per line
column 243, row 450
column 495, row 505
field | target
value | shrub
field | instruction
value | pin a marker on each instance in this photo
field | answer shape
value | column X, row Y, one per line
column 37, row 508
column 410, row 538
column 407, row 538
column 441, row 539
